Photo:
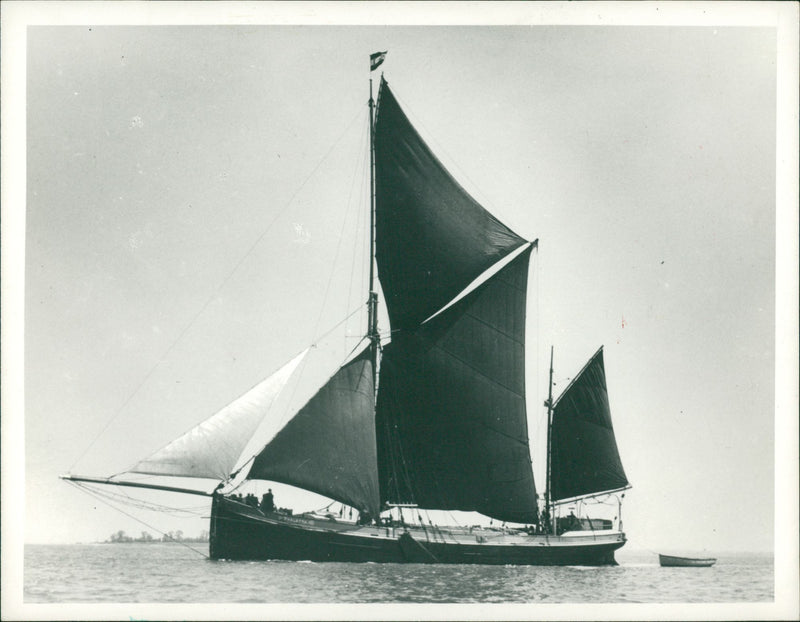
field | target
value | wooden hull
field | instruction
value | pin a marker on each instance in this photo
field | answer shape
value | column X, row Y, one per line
column 241, row 532
column 686, row 562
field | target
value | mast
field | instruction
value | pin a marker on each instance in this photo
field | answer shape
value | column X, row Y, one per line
column 372, row 328
column 549, row 404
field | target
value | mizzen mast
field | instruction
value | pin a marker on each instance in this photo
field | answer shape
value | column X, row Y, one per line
column 548, row 483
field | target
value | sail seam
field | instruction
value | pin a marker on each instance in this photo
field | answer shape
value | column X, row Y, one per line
column 506, row 435
column 608, row 428
column 495, row 329
column 479, row 372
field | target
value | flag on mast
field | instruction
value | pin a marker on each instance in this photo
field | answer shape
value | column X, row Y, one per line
column 376, row 59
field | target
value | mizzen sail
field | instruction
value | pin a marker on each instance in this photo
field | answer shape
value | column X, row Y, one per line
column 584, row 458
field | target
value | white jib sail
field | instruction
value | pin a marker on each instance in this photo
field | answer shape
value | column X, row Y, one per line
column 213, row 448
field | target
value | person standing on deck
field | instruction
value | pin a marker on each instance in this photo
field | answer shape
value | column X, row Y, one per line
column 268, row 502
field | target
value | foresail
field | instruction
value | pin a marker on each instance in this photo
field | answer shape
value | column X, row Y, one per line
column 585, row 459
column 451, row 417
column 212, row 449
column 328, row 447
column 432, row 238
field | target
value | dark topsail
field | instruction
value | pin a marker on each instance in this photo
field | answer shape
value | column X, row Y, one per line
column 584, row 456
column 432, row 238
column 451, row 423
column 329, row 445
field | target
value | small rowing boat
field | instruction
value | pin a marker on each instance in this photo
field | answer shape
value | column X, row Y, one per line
column 689, row 562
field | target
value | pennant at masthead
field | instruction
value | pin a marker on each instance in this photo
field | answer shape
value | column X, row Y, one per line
column 376, row 59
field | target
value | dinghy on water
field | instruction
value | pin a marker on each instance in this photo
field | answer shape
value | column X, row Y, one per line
column 686, row 562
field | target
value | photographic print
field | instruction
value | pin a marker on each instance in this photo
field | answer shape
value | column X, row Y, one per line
column 466, row 312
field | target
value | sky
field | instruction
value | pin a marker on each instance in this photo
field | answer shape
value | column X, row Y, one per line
column 196, row 215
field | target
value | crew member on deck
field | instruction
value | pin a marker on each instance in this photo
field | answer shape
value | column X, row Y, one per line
column 545, row 523
column 268, row 502
column 364, row 518
column 573, row 524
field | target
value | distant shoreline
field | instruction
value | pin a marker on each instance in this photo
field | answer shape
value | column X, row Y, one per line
column 623, row 554
column 183, row 541
column 120, row 537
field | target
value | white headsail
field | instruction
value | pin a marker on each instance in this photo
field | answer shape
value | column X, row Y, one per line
column 214, row 448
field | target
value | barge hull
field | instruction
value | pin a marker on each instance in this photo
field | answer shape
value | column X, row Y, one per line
column 239, row 532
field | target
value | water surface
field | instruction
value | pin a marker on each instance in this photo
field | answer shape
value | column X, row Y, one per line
column 171, row 573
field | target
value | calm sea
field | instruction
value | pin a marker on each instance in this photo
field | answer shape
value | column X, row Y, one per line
column 171, row 573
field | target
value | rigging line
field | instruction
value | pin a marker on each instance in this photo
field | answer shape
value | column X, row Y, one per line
column 91, row 493
column 440, row 148
column 357, row 236
column 367, row 226
column 325, row 508
column 392, row 444
column 335, row 326
column 390, row 441
column 290, row 401
column 285, row 417
column 338, row 247
column 396, row 439
column 537, row 389
column 299, row 373
column 215, row 292
column 649, row 550
column 123, row 497
column 434, row 527
column 154, row 507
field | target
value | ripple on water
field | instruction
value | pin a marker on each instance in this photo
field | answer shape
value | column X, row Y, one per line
column 169, row 573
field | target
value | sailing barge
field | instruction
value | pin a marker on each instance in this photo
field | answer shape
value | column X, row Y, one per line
column 434, row 418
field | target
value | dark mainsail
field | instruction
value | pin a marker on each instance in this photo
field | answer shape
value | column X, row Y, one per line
column 584, row 458
column 329, row 445
column 432, row 238
column 451, row 416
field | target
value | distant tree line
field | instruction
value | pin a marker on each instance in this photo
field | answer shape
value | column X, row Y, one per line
column 171, row 536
